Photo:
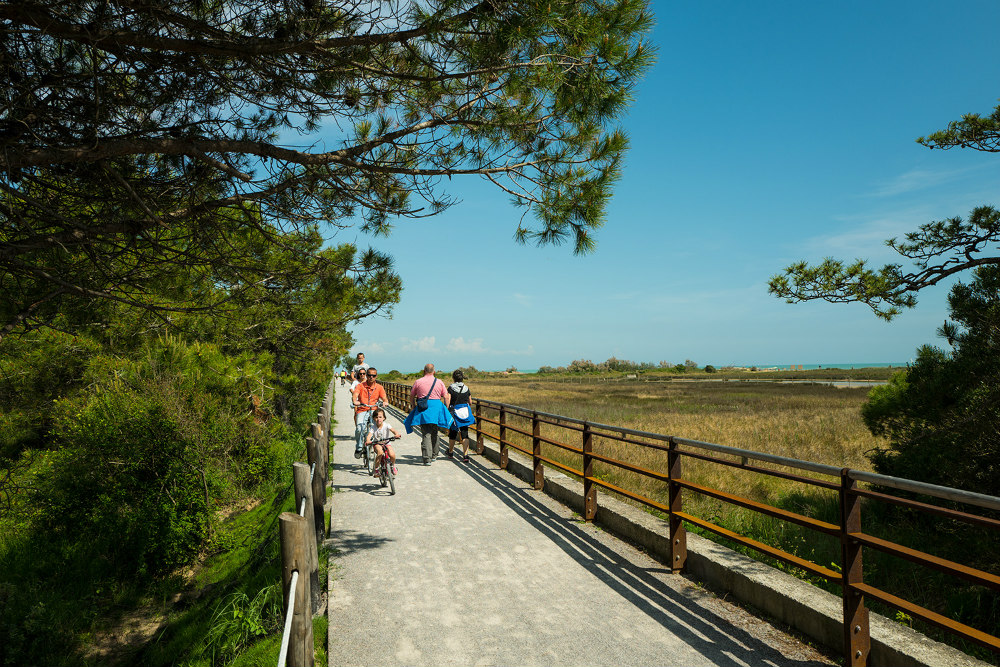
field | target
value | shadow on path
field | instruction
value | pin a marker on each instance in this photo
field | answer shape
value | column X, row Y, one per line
column 679, row 614
column 345, row 542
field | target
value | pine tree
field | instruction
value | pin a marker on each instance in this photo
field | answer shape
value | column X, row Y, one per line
column 139, row 137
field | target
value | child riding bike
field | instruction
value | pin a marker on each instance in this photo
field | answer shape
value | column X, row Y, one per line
column 379, row 435
column 365, row 397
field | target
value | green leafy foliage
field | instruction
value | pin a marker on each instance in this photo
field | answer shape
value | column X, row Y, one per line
column 942, row 420
column 173, row 136
column 942, row 415
column 124, row 470
column 122, row 448
column 888, row 290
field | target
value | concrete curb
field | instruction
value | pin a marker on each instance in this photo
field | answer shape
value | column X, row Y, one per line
column 814, row 612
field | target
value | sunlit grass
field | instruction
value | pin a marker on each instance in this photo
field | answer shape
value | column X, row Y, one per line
column 808, row 422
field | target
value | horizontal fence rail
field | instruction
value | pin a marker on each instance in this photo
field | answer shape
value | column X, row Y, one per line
column 521, row 429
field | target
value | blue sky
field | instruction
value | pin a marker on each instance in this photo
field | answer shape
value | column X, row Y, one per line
column 766, row 133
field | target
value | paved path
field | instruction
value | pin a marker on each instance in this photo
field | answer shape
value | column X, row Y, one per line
column 467, row 565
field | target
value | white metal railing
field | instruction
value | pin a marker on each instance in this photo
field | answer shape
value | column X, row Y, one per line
column 287, row 634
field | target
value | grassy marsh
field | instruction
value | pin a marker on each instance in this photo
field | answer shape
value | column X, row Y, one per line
column 811, row 422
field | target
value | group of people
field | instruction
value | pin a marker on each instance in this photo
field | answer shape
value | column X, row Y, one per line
column 432, row 407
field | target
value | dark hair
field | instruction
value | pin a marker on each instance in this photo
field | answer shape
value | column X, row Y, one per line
column 376, row 411
column 372, row 368
column 458, row 376
column 360, row 373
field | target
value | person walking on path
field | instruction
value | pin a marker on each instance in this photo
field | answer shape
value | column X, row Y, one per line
column 459, row 397
column 364, row 398
column 429, row 410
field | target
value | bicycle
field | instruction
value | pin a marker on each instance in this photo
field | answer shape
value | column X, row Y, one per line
column 361, row 432
column 383, row 467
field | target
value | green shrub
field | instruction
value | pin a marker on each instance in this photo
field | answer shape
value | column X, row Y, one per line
column 126, row 476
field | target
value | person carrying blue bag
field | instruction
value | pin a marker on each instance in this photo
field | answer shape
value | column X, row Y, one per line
column 429, row 411
column 460, row 398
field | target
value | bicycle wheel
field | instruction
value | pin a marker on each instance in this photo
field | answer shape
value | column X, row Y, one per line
column 392, row 479
column 370, row 460
column 366, row 458
column 383, row 471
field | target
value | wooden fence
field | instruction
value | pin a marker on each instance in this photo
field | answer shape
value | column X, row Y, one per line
column 520, row 429
column 301, row 533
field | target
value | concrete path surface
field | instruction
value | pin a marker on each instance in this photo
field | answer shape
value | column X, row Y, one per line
column 467, row 565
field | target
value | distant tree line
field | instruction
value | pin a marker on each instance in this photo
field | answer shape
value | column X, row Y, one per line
column 615, row 365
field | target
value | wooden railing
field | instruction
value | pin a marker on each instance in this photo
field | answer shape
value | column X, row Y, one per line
column 301, row 533
column 518, row 428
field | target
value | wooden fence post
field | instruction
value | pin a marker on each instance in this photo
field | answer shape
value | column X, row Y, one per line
column 317, row 434
column 293, row 533
column 313, row 455
column 503, row 439
column 303, row 492
column 536, row 452
column 319, row 488
column 319, row 427
column 857, row 637
column 479, row 431
column 589, row 488
column 678, row 534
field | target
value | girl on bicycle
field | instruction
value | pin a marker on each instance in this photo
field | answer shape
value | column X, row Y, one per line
column 382, row 431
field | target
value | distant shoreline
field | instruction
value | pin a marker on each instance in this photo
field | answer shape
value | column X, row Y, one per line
column 779, row 367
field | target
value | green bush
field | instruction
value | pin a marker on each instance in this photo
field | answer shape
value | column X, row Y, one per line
column 941, row 418
column 120, row 461
column 126, row 476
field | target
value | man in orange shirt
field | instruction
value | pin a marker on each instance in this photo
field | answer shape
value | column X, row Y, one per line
column 364, row 399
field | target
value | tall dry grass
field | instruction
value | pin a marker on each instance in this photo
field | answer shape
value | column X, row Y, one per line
column 809, row 422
